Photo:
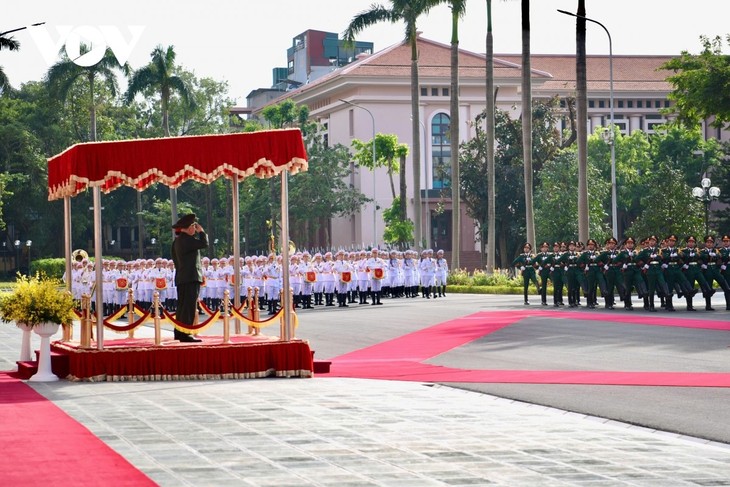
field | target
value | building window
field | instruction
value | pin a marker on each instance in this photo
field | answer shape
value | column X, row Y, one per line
column 666, row 103
column 434, row 92
column 444, row 92
column 639, row 104
column 620, row 103
column 657, row 103
column 601, row 104
column 424, row 91
column 440, row 152
column 630, row 103
column 591, row 104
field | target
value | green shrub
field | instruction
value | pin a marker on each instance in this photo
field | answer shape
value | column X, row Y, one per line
column 53, row 268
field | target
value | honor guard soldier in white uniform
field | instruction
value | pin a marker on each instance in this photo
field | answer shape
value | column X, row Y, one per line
column 377, row 269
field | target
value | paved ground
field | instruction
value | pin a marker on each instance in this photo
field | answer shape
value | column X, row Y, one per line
column 355, row 432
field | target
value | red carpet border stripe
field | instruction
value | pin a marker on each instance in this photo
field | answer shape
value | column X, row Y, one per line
column 41, row 445
column 402, row 358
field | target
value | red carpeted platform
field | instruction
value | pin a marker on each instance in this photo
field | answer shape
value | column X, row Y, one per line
column 141, row 360
column 403, row 358
column 42, row 445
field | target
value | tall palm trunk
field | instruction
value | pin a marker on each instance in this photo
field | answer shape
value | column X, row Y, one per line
column 164, row 102
column 582, row 121
column 92, row 108
column 416, row 130
column 491, row 213
column 454, row 139
column 527, row 121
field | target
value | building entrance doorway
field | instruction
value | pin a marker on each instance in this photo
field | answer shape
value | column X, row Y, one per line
column 440, row 230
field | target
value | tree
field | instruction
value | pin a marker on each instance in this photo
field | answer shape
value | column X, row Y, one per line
column 387, row 150
column 489, row 156
column 527, row 121
column 406, row 11
column 63, row 75
column 700, row 84
column 668, row 206
column 159, row 75
column 9, row 44
column 581, row 89
column 398, row 231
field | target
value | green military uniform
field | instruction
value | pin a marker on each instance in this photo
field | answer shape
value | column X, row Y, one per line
column 557, row 274
column 626, row 259
column 672, row 264
column 725, row 266
column 543, row 262
column 712, row 262
column 593, row 272
column 526, row 263
column 651, row 262
column 569, row 262
column 612, row 273
column 693, row 265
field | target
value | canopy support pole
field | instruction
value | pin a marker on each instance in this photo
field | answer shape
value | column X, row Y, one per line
column 98, row 286
column 236, row 249
column 67, row 241
column 284, row 241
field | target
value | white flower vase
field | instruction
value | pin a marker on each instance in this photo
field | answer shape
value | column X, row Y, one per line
column 45, row 331
column 25, row 344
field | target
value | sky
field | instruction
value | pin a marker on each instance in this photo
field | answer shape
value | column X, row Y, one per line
column 240, row 41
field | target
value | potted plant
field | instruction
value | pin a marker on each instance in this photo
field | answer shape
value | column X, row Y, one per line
column 41, row 304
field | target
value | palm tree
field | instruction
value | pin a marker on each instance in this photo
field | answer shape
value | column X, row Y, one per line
column 63, row 75
column 408, row 12
column 458, row 9
column 159, row 75
column 527, row 121
column 11, row 45
column 582, row 120
column 491, row 212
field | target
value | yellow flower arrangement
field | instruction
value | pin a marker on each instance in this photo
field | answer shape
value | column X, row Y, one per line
column 36, row 300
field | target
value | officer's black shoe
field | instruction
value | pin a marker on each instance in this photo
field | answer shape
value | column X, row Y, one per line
column 557, row 305
column 527, row 302
column 544, row 303
column 710, row 308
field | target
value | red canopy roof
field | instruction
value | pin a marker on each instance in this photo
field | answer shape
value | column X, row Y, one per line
column 173, row 160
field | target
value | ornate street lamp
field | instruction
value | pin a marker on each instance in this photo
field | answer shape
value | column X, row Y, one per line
column 706, row 193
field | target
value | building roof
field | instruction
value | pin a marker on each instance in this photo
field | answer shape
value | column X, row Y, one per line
column 630, row 73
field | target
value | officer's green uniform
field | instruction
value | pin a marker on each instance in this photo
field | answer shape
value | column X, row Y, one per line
column 569, row 262
column 557, row 276
column 612, row 276
column 526, row 263
column 672, row 263
column 631, row 274
column 693, row 263
column 651, row 262
column 592, row 268
column 543, row 260
column 712, row 270
column 725, row 266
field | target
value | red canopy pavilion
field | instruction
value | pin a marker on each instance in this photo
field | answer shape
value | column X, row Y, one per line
column 104, row 166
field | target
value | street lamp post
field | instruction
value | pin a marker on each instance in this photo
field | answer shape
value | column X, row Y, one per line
column 614, row 216
column 375, row 207
column 17, row 255
column 28, row 243
column 706, row 193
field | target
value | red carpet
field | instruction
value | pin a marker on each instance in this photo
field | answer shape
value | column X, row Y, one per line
column 402, row 358
column 42, row 445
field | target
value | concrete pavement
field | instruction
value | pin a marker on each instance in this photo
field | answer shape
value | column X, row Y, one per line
column 357, row 432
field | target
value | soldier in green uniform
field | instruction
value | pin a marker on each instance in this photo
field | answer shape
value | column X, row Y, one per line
column 632, row 278
column 711, row 269
column 611, row 272
column 569, row 261
column 725, row 266
column 592, row 269
column 672, row 264
column 557, row 273
column 651, row 262
column 526, row 263
column 543, row 262
column 693, row 264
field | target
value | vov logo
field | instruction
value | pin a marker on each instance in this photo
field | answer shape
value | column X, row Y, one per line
column 95, row 39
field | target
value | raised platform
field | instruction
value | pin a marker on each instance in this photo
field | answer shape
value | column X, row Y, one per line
column 139, row 359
